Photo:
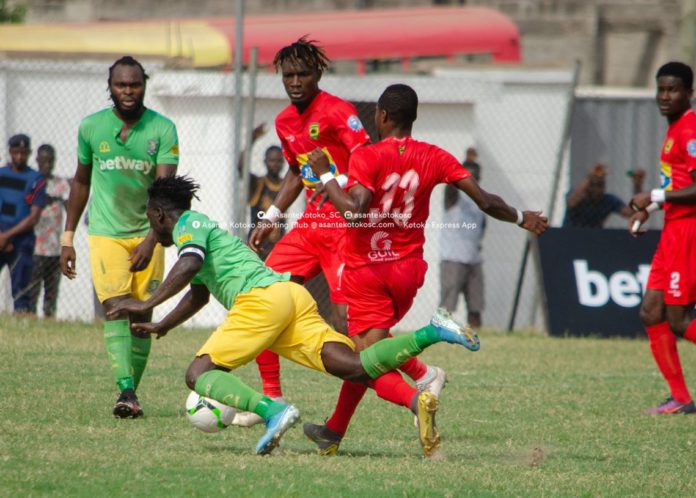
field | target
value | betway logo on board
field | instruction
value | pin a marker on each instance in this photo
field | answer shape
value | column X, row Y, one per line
column 596, row 289
column 120, row 162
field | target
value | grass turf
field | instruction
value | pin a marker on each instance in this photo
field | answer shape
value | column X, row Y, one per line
column 525, row 416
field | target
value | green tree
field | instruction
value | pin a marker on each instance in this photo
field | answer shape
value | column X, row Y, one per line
column 14, row 14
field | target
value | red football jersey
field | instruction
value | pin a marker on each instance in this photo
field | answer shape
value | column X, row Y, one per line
column 401, row 174
column 677, row 161
column 330, row 123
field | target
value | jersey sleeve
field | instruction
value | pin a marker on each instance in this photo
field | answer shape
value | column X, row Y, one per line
column 359, row 170
column 168, row 152
column 84, row 148
column 191, row 233
column 447, row 167
column 349, row 128
column 688, row 138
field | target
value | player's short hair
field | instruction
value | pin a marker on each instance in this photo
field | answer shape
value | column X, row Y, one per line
column 400, row 103
column 126, row 60
column 272, row 148
column 303, row 50
column 173, row 192
column 678, row 70
column 47, row 148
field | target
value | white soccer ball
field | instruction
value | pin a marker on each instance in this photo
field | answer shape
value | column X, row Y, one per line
column 207, row 414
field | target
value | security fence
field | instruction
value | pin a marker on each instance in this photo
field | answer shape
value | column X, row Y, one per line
column 514, row 118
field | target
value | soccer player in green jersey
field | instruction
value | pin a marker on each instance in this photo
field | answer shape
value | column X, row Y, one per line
column 266, row 311
column 121, row 150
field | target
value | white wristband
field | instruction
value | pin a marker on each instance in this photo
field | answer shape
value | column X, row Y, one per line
column 326, row 177
column 342, row 180
column 652, row 207
column 66, row 239
column 520, row 217
column 657, row 195
column 273, row 214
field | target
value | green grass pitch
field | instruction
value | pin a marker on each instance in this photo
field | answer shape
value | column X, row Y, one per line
column 525, row 416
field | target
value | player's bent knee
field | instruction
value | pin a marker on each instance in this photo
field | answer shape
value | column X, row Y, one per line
column 650, row 315
column 198, row 367
column 677, row 325
column 342, row 362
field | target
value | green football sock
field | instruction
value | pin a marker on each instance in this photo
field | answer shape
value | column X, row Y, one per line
column 230, row 390
column 140, row 351
column 117, row 336
column 389, row 354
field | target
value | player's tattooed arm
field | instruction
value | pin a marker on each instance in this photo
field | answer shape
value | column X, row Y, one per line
column 179, row 277
column 197, row 297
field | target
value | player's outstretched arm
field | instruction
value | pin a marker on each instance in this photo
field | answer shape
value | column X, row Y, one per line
column 290, row 188
column 77, row 200
column 355, row 201
column 493, row 205
column 197, row 297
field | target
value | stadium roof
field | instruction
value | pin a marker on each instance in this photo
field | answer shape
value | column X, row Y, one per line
column 346, row 35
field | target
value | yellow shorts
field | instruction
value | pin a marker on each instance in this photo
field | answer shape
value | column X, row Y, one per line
column 282, row 317
column 108, row 259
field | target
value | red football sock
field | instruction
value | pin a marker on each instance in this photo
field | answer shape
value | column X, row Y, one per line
column 269, row 369
column 414, row 368
column 392, row 387
column 348, row 400
column 663, row 344
column 690, row 334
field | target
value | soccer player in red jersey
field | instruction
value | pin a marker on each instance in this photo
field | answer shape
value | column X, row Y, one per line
column 668, row 303
column 387, row 201
column 314, row 119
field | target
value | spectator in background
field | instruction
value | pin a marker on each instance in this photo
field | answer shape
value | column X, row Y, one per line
column 264, row 189
column 461, row 264
column 22, row 198
column 589, row 205
column 48, row 230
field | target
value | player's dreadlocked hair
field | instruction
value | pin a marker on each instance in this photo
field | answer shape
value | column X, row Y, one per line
column 678, row 70
column 303, row 50
column 173, row 192
column 126, row 60
column 401, row 104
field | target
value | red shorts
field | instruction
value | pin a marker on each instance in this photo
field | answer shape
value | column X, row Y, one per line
column 380, row 295
column 673, row 269
column 304, row 252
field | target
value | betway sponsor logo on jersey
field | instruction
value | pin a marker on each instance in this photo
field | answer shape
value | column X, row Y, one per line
column 127, row 163
column 623, row 288
column 380, row 248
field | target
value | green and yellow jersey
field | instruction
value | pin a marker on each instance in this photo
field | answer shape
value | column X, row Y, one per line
column 229, row 267
column 122, row 172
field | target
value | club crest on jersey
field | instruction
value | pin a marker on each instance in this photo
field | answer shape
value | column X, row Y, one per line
column 314, row 131
column 354, row 123
column 104, row 147
column 402, row 148
column 152, row 145
column 691, row 148
column 668, row 145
